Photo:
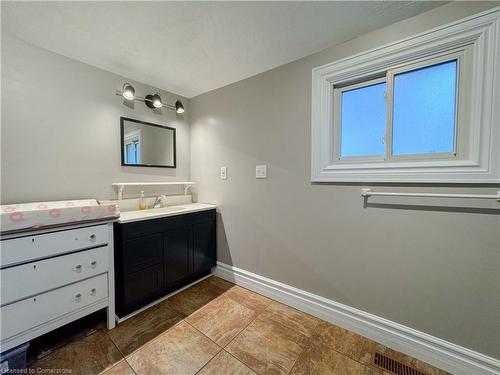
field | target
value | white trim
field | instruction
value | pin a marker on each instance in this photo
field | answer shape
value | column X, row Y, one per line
column 135, row 135
column 437, row 352
column 479, row 39
column 110, row 310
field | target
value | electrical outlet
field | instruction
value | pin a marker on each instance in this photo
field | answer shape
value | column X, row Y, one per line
column 223, row 173
column 261, row 171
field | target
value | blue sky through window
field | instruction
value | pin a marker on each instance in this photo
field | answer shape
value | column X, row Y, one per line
column 132, row 153
column 363, row 121
column 424, row 110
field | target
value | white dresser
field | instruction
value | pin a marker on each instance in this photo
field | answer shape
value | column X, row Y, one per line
column 54, row 276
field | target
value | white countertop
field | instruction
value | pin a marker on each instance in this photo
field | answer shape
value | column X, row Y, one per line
column 154, row 213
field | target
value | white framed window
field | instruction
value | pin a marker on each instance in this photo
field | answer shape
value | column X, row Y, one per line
column 425, row 109
column 133, row 150
column 132, row 153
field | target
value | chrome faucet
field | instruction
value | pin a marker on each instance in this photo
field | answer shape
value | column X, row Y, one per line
column 160, row 201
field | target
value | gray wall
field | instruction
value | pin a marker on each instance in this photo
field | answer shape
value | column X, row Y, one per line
column 434, row 269
column 61, row 130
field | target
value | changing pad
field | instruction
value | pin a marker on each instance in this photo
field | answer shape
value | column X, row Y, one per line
column 15, row 217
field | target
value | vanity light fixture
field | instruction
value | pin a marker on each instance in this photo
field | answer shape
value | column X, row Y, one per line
column 152, row 101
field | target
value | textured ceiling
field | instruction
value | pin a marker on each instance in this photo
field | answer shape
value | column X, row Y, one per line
column 193, row 47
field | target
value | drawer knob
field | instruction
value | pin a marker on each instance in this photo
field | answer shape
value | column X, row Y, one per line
column 78, row 297
column 78, row 268
column 93, row 292
column 92, row 237
column 93, row 264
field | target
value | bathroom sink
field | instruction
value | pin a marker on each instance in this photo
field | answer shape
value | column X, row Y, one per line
column 166, row 209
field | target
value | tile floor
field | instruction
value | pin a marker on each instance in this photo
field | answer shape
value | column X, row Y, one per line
column 214, row 328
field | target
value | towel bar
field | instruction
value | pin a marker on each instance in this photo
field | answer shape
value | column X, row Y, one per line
column 365, row 192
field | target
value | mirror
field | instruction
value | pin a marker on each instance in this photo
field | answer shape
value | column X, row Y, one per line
column 147, row 145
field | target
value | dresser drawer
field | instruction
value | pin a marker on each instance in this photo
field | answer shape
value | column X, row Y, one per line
column 31, row 312
column 25, row 280
column 23, row 249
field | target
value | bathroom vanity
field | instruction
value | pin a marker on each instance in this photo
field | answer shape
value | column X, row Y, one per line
column 159, row 251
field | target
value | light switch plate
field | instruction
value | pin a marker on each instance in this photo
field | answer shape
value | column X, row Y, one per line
column 261, row 171
column 223, row 173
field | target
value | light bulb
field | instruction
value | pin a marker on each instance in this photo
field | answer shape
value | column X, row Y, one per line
column 156, row 100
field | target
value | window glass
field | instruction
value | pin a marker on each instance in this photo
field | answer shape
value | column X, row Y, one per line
column 363, row 121
column 136, row 153
column 424, row 105
column 132, row 153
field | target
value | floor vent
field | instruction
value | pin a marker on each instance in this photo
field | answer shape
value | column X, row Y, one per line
column 395, row 367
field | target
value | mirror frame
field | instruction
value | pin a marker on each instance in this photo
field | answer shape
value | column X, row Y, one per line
column 122, row 147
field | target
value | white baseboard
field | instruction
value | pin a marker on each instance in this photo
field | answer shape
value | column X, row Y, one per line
column 437, row 352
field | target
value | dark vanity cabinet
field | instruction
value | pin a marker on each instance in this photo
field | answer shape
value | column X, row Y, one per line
column 155, row 257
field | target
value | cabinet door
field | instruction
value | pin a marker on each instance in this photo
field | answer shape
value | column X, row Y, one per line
column 203, row 247
column 140, row 288
column 177, row 246
column 141, row 278
column 142, row 252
